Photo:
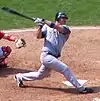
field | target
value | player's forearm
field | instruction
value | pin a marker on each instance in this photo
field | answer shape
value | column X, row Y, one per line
column 47, row 22
column 9, row 37
column 53, row 25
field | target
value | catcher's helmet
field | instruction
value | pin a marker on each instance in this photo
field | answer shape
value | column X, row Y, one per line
column 6, row 50
column 60, row 15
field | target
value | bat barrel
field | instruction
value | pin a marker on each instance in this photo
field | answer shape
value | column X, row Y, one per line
column 16, row 13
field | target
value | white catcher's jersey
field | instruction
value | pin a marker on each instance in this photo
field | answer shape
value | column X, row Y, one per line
column 54, row 40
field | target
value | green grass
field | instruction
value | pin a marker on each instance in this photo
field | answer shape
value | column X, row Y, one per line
column 80, row 12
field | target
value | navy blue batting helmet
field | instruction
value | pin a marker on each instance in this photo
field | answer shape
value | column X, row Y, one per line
column 60, row 15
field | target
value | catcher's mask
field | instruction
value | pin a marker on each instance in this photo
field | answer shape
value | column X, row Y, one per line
column 60, row 15
column 4, row 51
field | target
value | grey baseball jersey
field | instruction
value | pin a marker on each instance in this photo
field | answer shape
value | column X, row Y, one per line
column 54, row 40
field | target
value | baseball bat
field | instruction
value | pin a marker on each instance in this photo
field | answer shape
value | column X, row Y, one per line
column 16, row 13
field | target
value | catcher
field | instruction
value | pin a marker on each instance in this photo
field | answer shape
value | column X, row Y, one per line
column 6, row 50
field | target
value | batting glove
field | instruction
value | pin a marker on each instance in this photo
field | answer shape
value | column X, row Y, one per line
column 39, row 20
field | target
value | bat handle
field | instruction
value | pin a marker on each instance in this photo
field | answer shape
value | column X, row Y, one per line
column 33, row 18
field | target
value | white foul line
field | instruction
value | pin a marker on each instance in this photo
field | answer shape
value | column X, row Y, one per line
column 85, row 27
column 33, row 29
column 19, row 30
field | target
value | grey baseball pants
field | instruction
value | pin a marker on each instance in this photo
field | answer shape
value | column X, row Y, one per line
column 48, row 63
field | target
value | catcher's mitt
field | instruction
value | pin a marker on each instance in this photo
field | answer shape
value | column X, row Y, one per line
column 20, row 43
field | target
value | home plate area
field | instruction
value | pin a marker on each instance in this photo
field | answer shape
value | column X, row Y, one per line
column 67, row 83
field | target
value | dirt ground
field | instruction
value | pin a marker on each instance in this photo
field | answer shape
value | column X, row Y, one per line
column 81, row 53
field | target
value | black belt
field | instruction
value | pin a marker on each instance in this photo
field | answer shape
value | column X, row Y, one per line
column 53, row 55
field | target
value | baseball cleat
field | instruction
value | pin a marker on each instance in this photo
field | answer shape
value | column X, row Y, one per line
column 18, row 81
column 87, row 90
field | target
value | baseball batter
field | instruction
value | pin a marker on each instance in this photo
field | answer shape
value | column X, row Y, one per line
column 6, row 50
column 55, row 35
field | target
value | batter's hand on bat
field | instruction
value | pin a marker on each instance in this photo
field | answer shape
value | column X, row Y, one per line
column 20, row 43
column 39, row 20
